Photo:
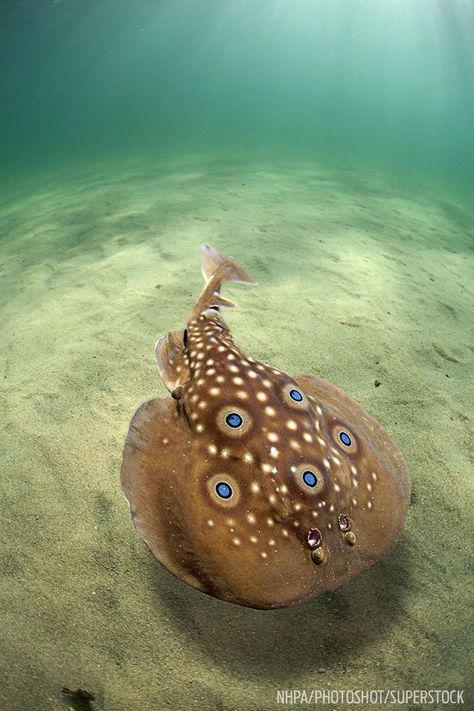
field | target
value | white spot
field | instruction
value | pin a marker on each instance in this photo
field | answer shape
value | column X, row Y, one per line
column 251, row 518
column 284, row 489
column 374, row 476
column 214, row 391
column 236, row 541
column 297, row 507
column 269, row 410
column 327, row 463
column 337, row 487
column 210, row 371
column 264, row 555
column 273, row 452
column 369, row 487
column 231, row 356
column 212, row 449
column 307, row 437
column 255, row 487
column 242, row 394
column 202, row 404
column 284, row 532
column 248, row 458
column 270, row 522
column 261, row 396
column 225, row 453
column 252, row 374
column 165, row 440
column 369, row 504
column 220, row 379
column 294, row 444
column 209, row 362
column 272, row 436
column 210, row 523
column 332, row 508
column 271, row 542
column 267, row 468
column 253, row 539
column 238, row 381
column 199, row 428
column 291, row 424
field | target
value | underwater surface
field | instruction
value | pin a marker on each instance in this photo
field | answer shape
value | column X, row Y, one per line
column 328, row 146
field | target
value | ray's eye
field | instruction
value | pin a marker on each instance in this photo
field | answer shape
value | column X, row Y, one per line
column 223, row 490
column 345, row 439
column 295, row 395
column 310, row 478
column 234, row 420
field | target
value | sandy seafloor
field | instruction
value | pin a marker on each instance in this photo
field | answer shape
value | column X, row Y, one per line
column 360, row 277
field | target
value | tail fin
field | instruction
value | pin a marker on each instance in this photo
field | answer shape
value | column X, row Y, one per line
column 216, row 268
column 212, row 260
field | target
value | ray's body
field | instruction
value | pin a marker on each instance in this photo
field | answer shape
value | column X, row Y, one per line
column 251, row 485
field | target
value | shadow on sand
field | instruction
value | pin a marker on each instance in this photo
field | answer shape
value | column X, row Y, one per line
column 324, row 634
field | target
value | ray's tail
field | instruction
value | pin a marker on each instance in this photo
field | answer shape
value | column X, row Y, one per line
column 216, row 268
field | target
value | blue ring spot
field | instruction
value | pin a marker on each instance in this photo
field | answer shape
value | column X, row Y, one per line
column 223, row 490
column 345, row 439
column 234, row 420
column 310, row 478
column 296, row 395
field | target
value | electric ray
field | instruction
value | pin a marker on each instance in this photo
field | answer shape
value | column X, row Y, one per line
column 251, row 485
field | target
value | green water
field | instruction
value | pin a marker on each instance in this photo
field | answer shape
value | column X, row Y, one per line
column 386, row 83
column 328, row 146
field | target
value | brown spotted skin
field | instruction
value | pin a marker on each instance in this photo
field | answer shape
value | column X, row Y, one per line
column 252, row 549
